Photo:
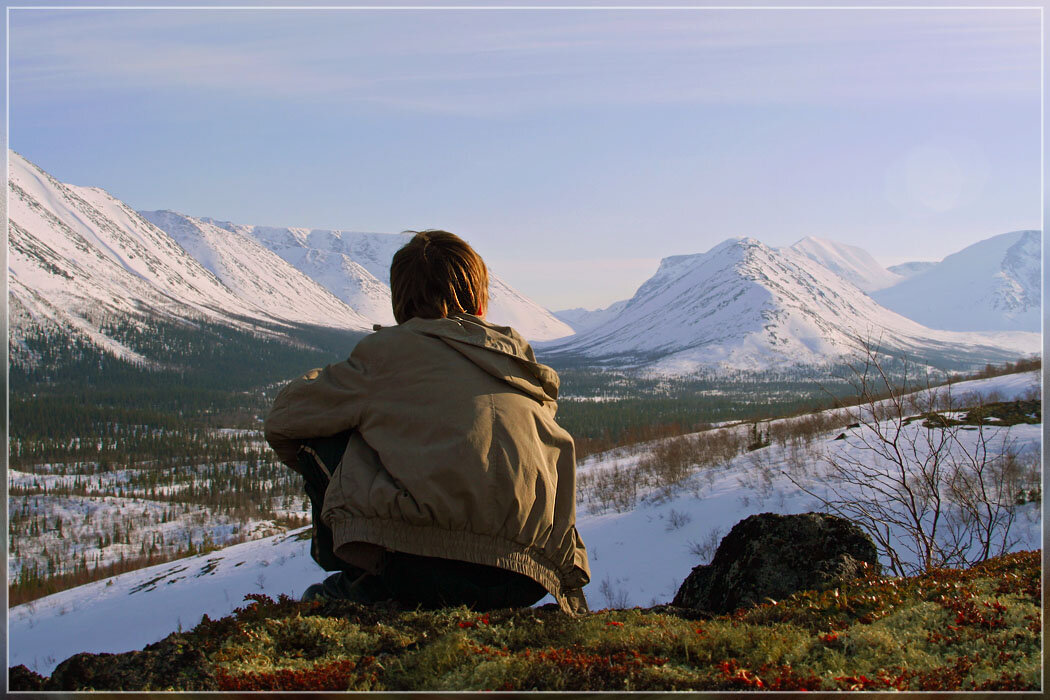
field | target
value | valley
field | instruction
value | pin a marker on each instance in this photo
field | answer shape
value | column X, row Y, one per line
column 682, row 492
column 146, row 348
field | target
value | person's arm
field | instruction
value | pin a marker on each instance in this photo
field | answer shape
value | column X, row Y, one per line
column 320, row 403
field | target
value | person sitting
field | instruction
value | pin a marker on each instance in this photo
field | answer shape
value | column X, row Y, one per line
column 432, row 454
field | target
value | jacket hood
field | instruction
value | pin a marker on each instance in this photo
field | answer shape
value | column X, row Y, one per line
column 499, row 350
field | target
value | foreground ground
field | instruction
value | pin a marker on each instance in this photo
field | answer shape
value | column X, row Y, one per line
column 979, row 629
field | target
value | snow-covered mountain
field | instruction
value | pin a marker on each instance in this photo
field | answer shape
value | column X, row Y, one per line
column 637, row 557
column 990, row 285
column 582, row 319
column 512, row 308
column 853, row 263
column 743, row 304
column 252, row 271
column 81, row 261
column 352, row 265
column 355, row 267
column 912, row 268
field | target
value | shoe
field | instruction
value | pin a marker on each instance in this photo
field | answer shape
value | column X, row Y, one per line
column 365, row 589
column 314, row 592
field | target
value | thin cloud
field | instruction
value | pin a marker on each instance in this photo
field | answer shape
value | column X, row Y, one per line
column 503, row 63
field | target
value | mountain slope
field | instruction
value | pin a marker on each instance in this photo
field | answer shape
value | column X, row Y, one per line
column 910, row 269
column 87, row 274
column 355, row 267
column 849, row 262
column 582, row 319
column 991, row 285
column 743, row 304
column 73, row 254
column 71, row 268
column 252, row 271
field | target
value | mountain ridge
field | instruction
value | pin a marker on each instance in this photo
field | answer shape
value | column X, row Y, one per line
column 993, row 284
column 79, row 258
column 744, row 305
column 850, row 262
column 355, row 267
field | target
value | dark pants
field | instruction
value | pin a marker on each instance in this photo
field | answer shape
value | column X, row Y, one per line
column 411, row 580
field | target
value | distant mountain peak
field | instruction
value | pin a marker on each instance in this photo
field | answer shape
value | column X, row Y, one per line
column 355, row 267
column 849, row 262
column 992, row 285
column 743, row 304
column 82, row 264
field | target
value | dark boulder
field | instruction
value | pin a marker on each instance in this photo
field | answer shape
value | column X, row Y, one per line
column 20, row 678
column 171, row 663
column 772, row 556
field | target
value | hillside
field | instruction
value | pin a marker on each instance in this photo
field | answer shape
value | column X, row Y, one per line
column 947, row 630
column 100, row 294
column 647, row 513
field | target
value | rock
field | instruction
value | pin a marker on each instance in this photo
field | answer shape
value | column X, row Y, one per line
column 20, row 678
column 169, row 664
column 772, row 556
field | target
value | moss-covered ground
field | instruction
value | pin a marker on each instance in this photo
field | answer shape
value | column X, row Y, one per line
column 978, row 629
column 999, row 413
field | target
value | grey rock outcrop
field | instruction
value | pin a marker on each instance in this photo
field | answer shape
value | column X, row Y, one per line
column 772, row 556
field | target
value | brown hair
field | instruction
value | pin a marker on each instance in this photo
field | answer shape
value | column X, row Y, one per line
column 436, row 274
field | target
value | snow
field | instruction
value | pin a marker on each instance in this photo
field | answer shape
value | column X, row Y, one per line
column 911, row 268
column 253, row 271
column 510, row 307
column 993, row 285
column 583, row 319
column 641, row 555
column 745, row 305
column 849, row 262
column 132, row 610
column 79, row 258
column 87, row 519
column 355, row 267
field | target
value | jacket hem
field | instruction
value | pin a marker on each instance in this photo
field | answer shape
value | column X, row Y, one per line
column 458, row 544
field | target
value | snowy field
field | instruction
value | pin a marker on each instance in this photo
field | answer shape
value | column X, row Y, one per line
column 638, row 557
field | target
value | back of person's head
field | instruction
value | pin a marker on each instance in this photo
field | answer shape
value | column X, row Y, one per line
column 437, row 274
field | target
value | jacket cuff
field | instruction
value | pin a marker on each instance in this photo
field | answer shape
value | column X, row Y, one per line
column 572, row 602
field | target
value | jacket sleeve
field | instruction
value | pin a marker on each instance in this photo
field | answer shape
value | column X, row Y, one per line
column 320, row 403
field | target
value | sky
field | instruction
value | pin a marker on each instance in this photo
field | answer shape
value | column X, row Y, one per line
column 573, row 148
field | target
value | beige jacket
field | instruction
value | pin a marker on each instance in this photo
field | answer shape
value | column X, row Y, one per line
column 455, row 453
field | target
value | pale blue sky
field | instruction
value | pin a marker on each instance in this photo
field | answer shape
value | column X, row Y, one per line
column 572, row 148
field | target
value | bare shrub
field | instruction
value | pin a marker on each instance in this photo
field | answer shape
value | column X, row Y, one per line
column 668, row 463
column 799, row 461
column 676, row 520
column 705, row 549
column 720, row 447
column 616, row 597
column 937, row 490
column 614, row 487
column 758, row 475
